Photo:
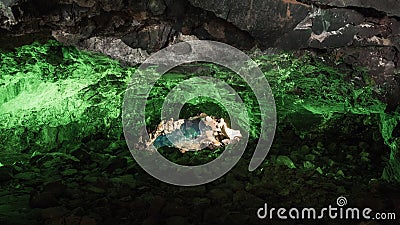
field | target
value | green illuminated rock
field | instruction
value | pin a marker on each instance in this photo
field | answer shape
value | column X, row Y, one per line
column 51, row 94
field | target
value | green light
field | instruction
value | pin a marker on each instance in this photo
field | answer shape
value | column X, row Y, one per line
column 50, row 94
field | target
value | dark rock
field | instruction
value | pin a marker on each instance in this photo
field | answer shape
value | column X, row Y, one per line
column 15, row 209
column 6, row 173
column 215, row 215
column 90, row 178
column 192, row 191
column 152, row 220
column 296, row 39
column 152, row 38
column 86, row 220
column 79, row 211
column 69, row 172
column 53, row 212
column 201, row 202
column 95, row 189
column 157, row 7
column 111, row 5
column 285, row 161
column 156, row 206
column 389, row 7
column 379, row 62
column 174, row 209
column 6, row 16
column 57, row 188
column 43, row 200
column 395, row 26
column 177, row 8
column 264, row 20
column 115, row 146
column 85, row 3
column 247, row 200
column 100, row 202
column 149, row 25
column 81, row 154
column 176, row 220
column 319, row 25
column 71, row 220
column 334, row 19
column 238, row 219
column 117, row 163
column 220, row 195
column 310, row 157
column 268, row 22
column 99, row 186
column 233, row 184
column 334, row 39
column 26, row 176
column 127, row 179
column 137, row 205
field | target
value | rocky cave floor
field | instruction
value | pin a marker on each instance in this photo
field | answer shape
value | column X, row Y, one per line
column 98, row 182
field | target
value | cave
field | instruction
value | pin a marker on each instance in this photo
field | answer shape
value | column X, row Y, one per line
column 73, row 152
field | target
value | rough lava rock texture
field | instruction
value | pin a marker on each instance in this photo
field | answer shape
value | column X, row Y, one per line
column 43, row 99
column 390, row 7
column 367, row 27
column 360, row 33
column 343, row 30
column 356, row 33
column 267, row 20
column 147, row 24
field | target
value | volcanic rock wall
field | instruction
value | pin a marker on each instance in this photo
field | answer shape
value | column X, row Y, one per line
column 361, row 34
column 351, row 33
